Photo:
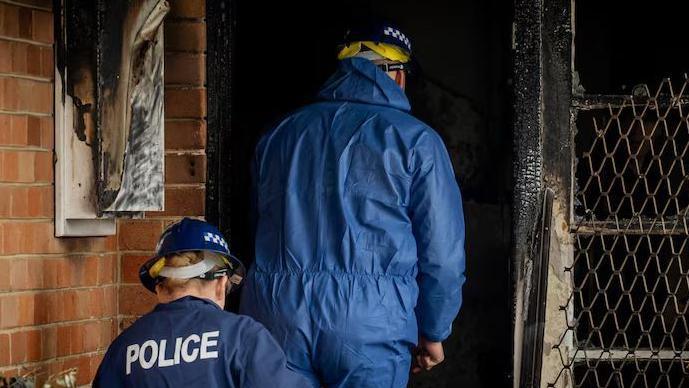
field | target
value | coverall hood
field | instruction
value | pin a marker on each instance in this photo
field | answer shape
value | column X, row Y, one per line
column 359, row 80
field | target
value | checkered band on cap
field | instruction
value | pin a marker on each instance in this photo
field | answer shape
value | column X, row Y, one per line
column 397, row 34
column 216, row 239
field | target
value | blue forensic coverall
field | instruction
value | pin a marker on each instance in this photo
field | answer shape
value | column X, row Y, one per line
column 191, row 342
column 359, row 233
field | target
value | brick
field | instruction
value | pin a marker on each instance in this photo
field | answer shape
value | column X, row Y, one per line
column 20, row 60
column 89, row 269
column 187, row 8
column 9, row 22
column 72, row 271
column 36, row 271
column 4, row 275
column 65, row 278
column 26, row 166
column 110, row 301
column 185, row 135
column 19, row 274
column 5, row 54
column 63, row 345
column 33, row 60
column 47, row 63
column 108, row 332
column 9, row 166
column 9, row 310
column 18, row 346
column 25, row 23
column 130, row 267
column 41, row 202
column 107, row 269
column 43, row 167
column 26, row 309
column 96, row 305
column 21, row 237
column 19, row 199
column 90, row 336
column 70, row 309
column 185, row 36
column 26, row 95
column 185, row 103
column 33, row 131
column 185, row 168
column 135, row 300
column 6, row 128
column 185, row 68
column 50, row 273
column 183, row 201
column 139, row 234
column 81, row 303
column 4, row 350
column 42, row 30
column 49, row 340
column 76, row 339
column 34, row 352
column 26, row 346
column 26, row 131
column 47, row 133
column 5, row 201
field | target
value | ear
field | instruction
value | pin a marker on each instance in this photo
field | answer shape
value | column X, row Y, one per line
column 221, row 287
column 401, row 79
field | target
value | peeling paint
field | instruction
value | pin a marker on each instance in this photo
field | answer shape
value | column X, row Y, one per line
column 131, row 106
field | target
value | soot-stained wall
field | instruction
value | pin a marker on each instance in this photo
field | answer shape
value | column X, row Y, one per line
column 462, row 90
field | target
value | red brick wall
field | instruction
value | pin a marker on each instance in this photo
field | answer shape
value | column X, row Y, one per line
column 62, row 301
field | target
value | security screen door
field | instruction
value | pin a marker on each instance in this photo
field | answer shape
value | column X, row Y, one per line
column 624, row 322
column 618, row 290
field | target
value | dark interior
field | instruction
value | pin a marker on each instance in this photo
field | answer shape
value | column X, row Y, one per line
column 283, row 52
column 620, row 44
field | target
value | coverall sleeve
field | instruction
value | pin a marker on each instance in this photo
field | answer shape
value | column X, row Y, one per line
column 438, row 226
column 253, row 200
column 263, row 363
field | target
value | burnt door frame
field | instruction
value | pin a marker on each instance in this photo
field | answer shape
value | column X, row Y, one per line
column 542, row 142
column 220, row 36
column 226, row 173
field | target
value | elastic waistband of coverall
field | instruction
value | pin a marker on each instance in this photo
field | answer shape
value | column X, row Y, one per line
column 314, row 274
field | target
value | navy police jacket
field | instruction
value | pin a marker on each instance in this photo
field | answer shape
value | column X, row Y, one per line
column 192, row 342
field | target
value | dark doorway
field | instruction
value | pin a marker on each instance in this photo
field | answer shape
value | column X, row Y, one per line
column 283, row 51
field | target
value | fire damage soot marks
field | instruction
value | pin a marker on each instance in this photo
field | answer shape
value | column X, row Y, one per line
column 130, row 103
column 113, row 55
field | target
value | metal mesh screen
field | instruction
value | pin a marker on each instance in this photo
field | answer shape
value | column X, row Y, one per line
column 626, row 316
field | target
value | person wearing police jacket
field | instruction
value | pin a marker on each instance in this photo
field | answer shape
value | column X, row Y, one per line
column 188, row 340
column 360, row 230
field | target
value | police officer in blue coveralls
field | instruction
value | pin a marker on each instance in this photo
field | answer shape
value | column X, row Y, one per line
column 188, row 340
column 360, row 229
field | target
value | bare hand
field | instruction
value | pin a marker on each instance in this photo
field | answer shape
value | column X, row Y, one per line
column 427, row 355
